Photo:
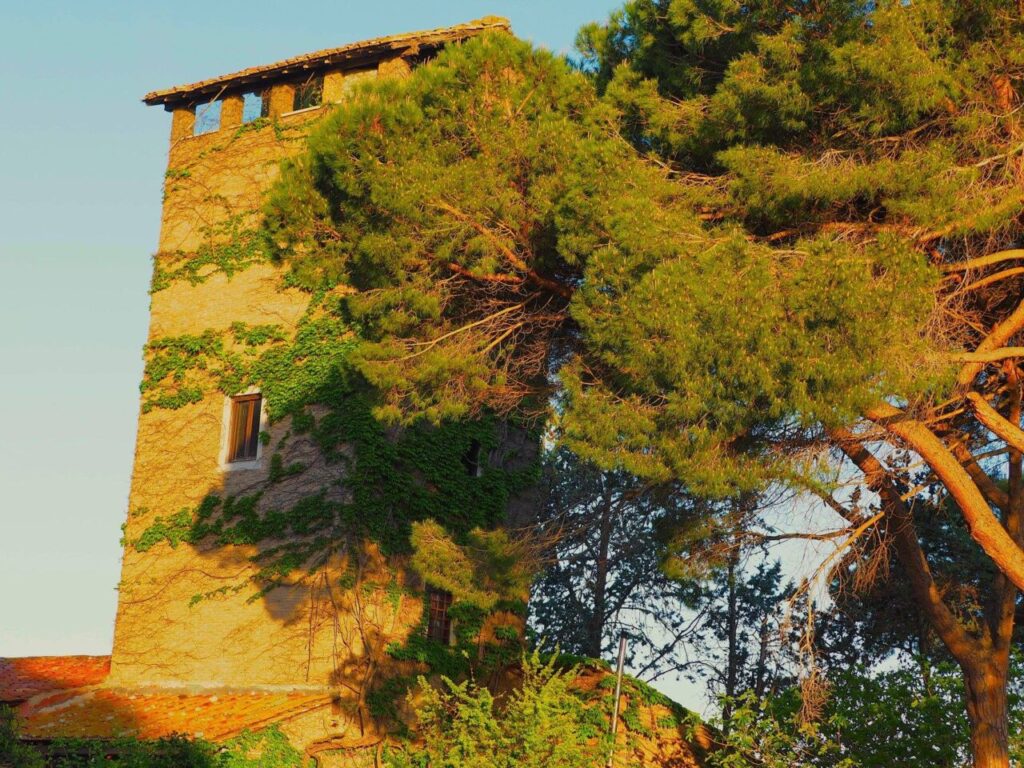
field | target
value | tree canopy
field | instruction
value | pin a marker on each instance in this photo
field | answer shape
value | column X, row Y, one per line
column 747, row 243
column 498, row 227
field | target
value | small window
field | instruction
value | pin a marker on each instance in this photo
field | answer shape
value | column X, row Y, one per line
column 309, row 93
column 245, row 427
column 255, row 105
column 439, row 623
column 207, row 118
column 471, row 460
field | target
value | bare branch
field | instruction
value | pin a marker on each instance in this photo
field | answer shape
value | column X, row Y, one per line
column 995, row 495
column 901, row 526
column 994, row 421
column 993, row 278
column 983, row 525
column 984, row 261
column 991, row 356
column 999, row 335
column 508, row 253
column 492, row 278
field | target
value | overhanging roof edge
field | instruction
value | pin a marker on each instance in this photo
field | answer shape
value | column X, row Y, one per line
column 373, row 49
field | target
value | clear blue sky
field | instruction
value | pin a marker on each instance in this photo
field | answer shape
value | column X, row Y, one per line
column 81, row 165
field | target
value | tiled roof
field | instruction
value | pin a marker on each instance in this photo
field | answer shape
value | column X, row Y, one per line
column 108, row 713
column 24, row 678
column 62, row 696
column 363, row 51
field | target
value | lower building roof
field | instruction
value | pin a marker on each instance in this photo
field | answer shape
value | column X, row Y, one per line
column 23, row 678
column 66, row 697
column 105, row 713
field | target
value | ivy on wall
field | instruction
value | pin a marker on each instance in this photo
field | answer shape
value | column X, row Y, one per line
column 386, row 481
column 229, row 247
column 391, row 479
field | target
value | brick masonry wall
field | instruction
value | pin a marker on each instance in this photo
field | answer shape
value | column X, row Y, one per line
column 302, row 635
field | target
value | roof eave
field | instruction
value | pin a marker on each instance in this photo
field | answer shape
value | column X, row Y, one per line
column 352, row 55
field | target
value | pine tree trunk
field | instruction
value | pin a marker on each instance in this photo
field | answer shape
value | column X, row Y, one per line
column 732, row 661
column 988, row 714
column 987, row 682
column 596, row 626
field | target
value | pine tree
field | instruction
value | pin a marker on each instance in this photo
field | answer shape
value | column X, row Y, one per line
column 605, row 575
column 781, row 246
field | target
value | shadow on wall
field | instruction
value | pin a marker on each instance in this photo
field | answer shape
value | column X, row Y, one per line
column 274, row 577
column 237, row 582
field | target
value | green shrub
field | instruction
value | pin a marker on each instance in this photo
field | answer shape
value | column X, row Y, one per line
column 542, row 724
column 268, row 748
column 12, row 752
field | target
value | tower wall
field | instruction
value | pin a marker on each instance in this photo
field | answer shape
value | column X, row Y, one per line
column 187, row 613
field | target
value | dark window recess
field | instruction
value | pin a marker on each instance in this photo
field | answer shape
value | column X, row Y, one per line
column 245, row 427
column 471, row 459
column 255, row 104
column 207, row 118
column 309, row 93
column 439, row 623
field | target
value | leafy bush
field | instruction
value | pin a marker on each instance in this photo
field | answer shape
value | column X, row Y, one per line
column 268, row 748
column 870, row 719
column 170, row 752
column 12, row 752
column 542, row 724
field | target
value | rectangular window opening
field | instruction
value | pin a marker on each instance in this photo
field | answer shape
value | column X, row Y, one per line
column 245, row 427
column 439, row 623
column 255, row 104
column 472, row 459
column 309, row 93
column 207, row 118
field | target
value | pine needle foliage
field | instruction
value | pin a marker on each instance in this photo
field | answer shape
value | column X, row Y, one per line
column 498, row 225
column 742, row 243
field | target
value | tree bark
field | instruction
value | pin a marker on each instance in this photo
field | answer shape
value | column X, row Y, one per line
column 982, row 524
column 595, row 630
column 988, row 712
column 732, row 662
column 986, row 681
column 983, row 660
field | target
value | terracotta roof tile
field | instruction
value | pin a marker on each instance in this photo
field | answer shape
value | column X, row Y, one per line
column 26, row 677
column 107, row 713
column 368, row 50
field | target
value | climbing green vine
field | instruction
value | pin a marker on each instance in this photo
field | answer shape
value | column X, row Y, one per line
column 387, row 481
column 229, row 247
column 358, row 485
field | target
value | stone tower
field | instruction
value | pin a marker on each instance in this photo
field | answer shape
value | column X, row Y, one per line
column 206, row 642
column 187, row 613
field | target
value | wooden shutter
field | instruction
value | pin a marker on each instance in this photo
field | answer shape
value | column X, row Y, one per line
column 245, row 427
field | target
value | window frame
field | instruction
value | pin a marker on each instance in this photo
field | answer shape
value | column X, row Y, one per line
column 228, row 461
column 200, row 110
column 439, row 625
column 473, row 459
column 314, row 81
column 263, row 94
